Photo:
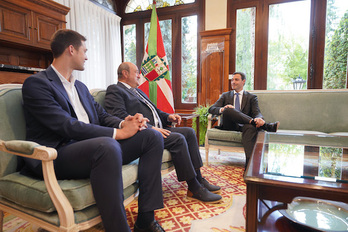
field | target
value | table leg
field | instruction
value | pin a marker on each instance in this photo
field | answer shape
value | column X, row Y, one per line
column 252, row 207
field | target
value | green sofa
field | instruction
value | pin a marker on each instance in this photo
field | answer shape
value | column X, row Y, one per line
column 301, row 111
column 64, row 205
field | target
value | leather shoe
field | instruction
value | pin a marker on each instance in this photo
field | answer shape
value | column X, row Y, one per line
column 210, row 187
column 154, row 227
column 204, row 195
column 271, row 127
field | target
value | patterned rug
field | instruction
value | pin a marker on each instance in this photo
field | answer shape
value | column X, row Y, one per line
column 182, row 214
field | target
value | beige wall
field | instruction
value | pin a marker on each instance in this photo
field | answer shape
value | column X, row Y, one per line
column 215, row 14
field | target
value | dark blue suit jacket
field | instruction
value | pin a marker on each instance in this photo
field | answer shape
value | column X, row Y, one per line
column 51, row 119
column 121, row 101
column 250, row 104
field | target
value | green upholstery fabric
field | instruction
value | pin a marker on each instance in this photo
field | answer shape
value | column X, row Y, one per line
column 311, row 110
column 80, row 216
column 29, row 194
column 12, row 125
column 26, row 147
column 32, row 193
column 305, row 111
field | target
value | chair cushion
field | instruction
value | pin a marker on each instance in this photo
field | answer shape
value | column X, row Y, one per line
column 224, row 135
column 32, row 193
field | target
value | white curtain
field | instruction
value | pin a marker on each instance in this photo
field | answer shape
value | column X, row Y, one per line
column 102, row 30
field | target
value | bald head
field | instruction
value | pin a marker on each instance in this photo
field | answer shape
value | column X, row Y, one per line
column 128, row 73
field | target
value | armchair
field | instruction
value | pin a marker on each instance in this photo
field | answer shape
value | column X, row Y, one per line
column 64, row 205
column 221, row 139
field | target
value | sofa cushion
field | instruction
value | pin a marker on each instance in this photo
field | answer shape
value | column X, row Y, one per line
column 224, row 135
column 32, row 193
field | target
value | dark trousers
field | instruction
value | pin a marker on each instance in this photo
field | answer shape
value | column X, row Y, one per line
column 101, row 159
column 183, row 146
column 238, row 121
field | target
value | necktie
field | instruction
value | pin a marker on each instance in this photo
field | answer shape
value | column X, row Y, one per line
column 156, row 117
column 237, row 102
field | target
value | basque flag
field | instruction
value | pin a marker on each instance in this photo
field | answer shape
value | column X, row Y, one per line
column 155, row 79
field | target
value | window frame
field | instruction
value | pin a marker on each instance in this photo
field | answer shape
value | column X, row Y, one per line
column 175, row 13
column 316, row 39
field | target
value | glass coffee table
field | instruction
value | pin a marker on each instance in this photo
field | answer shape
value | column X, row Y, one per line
column 286, row 166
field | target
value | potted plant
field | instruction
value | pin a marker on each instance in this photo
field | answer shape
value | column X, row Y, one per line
column 203, row 113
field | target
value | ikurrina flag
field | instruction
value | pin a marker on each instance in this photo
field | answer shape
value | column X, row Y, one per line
column 155, row 80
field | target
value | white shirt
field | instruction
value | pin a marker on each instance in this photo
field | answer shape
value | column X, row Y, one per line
column 234, row 99
column 75, row 99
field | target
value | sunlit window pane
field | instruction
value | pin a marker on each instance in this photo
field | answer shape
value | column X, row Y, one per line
column 129, row 41
column 189, row 59
column 142, row 5
column 288, row 42
column 245, row 45
column 336, row 45
column 166, row 30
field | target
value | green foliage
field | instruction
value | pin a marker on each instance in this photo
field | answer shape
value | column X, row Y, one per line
column 203, row 113
column 245, row 46
column 336, row 57
column 188, row 60
column 330, row 159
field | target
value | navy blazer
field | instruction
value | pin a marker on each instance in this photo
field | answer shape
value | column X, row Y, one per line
column 250, row 104
column 121, row 102
column 51, row 119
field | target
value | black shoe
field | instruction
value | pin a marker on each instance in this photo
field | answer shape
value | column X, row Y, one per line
column 204, row 195
column 271, row 127
column 210, row 187
column 154, row 227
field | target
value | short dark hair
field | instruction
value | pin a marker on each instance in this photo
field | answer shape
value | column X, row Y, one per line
column 241, row 74
column 63, row 38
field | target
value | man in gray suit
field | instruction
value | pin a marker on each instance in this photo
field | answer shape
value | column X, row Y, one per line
column 124, row 99
column 240, row 112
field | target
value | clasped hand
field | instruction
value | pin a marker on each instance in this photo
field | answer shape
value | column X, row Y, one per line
column 131, row 125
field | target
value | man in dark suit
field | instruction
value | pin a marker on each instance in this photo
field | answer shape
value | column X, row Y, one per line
column 240, row 112
column 61, row 113
column 124, row 99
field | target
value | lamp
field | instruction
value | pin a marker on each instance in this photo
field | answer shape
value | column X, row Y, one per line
column 298, row 82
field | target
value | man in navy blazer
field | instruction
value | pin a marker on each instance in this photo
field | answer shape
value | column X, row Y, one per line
column 61, row 113
column 240, row 112
column 125, row 99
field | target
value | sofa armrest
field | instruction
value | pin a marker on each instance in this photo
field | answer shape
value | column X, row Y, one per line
column 46, row 155
column 28, row 149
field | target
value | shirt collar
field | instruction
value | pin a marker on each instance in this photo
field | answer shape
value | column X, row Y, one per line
column 240, row 92
column 62, row 78
column 125, row 84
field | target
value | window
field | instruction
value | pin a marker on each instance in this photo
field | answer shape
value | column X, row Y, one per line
column 245, row 44
column 142, row 5
column 189, row 59
column 179, row 22
column 288, row 39
column 294, row 41
column 336, row 45
column 129, row 41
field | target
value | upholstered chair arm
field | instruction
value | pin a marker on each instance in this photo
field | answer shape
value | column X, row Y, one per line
column 212, row 118
column 46, row 155
column 28, row 149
